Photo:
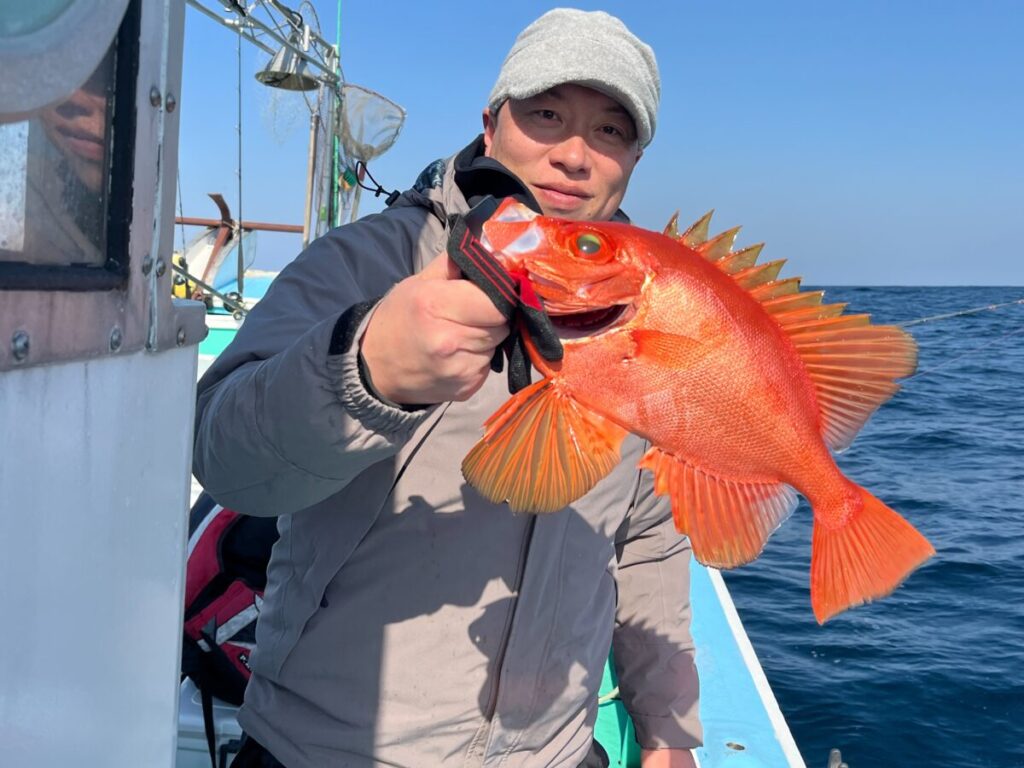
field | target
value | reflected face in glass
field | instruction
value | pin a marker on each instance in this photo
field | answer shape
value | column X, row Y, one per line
column 573, row 147
column 77, row 127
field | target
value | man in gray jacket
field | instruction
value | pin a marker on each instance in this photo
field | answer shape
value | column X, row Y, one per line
column 407, row 621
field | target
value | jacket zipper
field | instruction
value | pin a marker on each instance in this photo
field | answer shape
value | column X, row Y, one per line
column 506, row 635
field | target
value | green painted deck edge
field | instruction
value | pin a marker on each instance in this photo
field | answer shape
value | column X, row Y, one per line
column 614, row 728
column 216, row 341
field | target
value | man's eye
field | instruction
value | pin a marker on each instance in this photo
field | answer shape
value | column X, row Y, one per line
column 613, row 130
column 547, row 114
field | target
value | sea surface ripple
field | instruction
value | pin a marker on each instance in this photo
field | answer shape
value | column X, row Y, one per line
column 934, row 674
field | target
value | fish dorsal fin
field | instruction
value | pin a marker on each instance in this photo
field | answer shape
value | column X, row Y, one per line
column 728, row 522
column 852, row 364
column 719, row 246
column 854, row 368
column 697, row 234
column 737, row 261
column 672, row 228
column 542, row 450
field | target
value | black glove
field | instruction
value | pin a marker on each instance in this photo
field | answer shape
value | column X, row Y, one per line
column 512, row 295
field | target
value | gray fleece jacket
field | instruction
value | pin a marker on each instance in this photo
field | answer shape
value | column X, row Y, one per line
column 407, row 621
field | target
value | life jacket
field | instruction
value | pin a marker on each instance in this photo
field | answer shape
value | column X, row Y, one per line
column 225, row 576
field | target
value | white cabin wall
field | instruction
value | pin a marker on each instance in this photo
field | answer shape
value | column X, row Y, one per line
column 94, row 494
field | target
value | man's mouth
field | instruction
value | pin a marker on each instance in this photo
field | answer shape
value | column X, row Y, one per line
column 562, row 196
column 83, row 143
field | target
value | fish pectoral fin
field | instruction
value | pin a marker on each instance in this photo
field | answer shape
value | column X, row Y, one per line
column 728, row 521
column 667, row 350
column 863, row 558
column 542, row 450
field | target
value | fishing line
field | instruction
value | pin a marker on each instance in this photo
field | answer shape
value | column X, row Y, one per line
column 181, row 214
column 962, row 313
column 967, row 353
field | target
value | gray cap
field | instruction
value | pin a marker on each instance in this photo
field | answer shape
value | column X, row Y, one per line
column 594, row 49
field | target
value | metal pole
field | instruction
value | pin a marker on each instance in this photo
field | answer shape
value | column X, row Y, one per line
column 238, row 230
column 314, row 127
column 262, row 226
column 252, row 23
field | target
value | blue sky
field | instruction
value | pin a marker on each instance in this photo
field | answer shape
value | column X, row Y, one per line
column 869, row 143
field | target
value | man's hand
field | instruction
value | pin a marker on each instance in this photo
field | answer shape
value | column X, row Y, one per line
column 432, row 337
column 667, row 758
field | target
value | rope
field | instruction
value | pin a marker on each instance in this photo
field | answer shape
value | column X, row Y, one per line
column 612, row 695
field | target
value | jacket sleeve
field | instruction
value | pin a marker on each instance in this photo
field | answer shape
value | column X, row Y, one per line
column 652, row 646
column 283, row 419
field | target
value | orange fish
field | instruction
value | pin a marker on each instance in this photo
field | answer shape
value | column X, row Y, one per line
column 742, row 383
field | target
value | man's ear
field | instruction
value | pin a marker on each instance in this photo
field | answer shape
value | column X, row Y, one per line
column 639, row 154
column 489, row 126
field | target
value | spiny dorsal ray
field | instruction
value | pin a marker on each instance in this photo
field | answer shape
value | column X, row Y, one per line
column 851, row 363
column 672, row 228
column 697, row 234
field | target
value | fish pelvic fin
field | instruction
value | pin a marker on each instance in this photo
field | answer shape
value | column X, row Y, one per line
column 542, row 450
column 728, row 521
column 863, row 558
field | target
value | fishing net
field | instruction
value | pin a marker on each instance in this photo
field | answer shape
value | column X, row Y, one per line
column 285, row 113
column 324, row 211
column 367, row 125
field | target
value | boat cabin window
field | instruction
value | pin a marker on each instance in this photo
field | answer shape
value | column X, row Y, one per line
column 64, row 208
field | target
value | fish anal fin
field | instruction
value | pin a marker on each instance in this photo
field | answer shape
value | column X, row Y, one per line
column 863, row 558
column 728, row 521
column 542, row 450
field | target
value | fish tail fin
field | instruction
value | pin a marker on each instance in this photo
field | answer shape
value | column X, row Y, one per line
column 864, row 558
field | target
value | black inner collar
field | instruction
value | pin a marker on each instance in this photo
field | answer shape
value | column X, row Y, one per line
column 479, row 176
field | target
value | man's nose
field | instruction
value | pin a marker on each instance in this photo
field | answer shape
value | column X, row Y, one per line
column 572, row 154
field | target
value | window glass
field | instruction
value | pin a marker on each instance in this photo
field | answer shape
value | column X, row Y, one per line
column 53, row 178
column 23, row 18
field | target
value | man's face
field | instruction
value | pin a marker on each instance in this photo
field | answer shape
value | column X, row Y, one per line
column 572, row 146
column 77, row 127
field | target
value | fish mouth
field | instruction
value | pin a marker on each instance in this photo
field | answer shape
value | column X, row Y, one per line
column 577, row 325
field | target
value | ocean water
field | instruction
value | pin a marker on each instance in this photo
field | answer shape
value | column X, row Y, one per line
column 933, row 675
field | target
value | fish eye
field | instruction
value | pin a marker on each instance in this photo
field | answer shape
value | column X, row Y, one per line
column 588, row 243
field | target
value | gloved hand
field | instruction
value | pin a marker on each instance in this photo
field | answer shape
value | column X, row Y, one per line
column 511, row 294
